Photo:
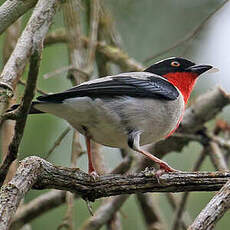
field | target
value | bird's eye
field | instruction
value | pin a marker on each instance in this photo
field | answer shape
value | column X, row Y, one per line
column 175, row 64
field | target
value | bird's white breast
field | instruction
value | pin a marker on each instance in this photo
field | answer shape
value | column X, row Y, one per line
column 109, row 120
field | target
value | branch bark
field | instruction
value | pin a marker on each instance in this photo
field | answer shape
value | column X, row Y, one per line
column 16, row 188
column 30, row 43
column 11, row 10
column 50, row 200
column 60, row 178
column 36, row 207
column 40, row 174
column 214, row 210
column 35, row 31
column 21, row 114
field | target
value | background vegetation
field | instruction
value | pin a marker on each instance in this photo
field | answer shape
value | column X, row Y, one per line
column 143, row 29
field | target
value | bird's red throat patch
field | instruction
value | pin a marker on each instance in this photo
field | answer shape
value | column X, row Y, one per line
column 184, row 81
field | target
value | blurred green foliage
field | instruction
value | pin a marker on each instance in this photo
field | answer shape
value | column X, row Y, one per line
column 146, row 28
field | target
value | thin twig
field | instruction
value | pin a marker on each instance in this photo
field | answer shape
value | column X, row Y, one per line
column 66, row 69
column 42, row 92
column 124, row 166
column 189, row 36
column 107, row 25
column 75, row 153
column 75, row 44
column 35, row 30
column 104, row 213
column 174, row 203
column 98, row 158
column 115, row 222
column 222, row 142
column 58, row 141
column 22, row 113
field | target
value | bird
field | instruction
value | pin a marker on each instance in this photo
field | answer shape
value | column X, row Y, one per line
column 127, row 110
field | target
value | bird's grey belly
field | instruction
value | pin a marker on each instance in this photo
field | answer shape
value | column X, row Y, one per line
column 109, row 120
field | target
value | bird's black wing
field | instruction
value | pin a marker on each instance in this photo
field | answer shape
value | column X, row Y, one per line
column 150, row 87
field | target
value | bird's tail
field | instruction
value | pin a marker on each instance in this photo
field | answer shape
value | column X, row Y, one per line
column 31, row 111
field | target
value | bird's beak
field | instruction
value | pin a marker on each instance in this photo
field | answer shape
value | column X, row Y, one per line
column 199, row 69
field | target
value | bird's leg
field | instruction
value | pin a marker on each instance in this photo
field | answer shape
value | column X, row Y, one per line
column 91, row 169
column 133, row 142
column 163, row 165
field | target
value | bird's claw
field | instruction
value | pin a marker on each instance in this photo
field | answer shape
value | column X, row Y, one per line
column 164, row 168
column 94, row 175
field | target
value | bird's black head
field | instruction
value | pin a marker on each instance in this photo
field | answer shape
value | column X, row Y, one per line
column 176, row 64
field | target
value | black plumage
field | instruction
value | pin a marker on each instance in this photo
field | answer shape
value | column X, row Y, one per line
column 151, row 87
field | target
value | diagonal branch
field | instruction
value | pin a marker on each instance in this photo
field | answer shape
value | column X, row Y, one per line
column 189, row 36
column 29, row 44
column 37, row 207
column 34, row 32
column 22, row 115
column 214, row 210
column 11, row 10
column 114, row 54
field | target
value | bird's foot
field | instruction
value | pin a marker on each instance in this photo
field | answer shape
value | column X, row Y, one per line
column 164, row 168
column 94, row 175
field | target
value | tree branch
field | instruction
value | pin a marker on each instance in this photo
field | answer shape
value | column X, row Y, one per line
column 219, row 100
column 50, row 200
column 11, row 10
column 35, row 31
column 40, row 174
column 22, row 114
column 37, row 207
column 60, row 178
column 214, row 210
column 30, row 43
column 112, row 53
column 7, row 128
